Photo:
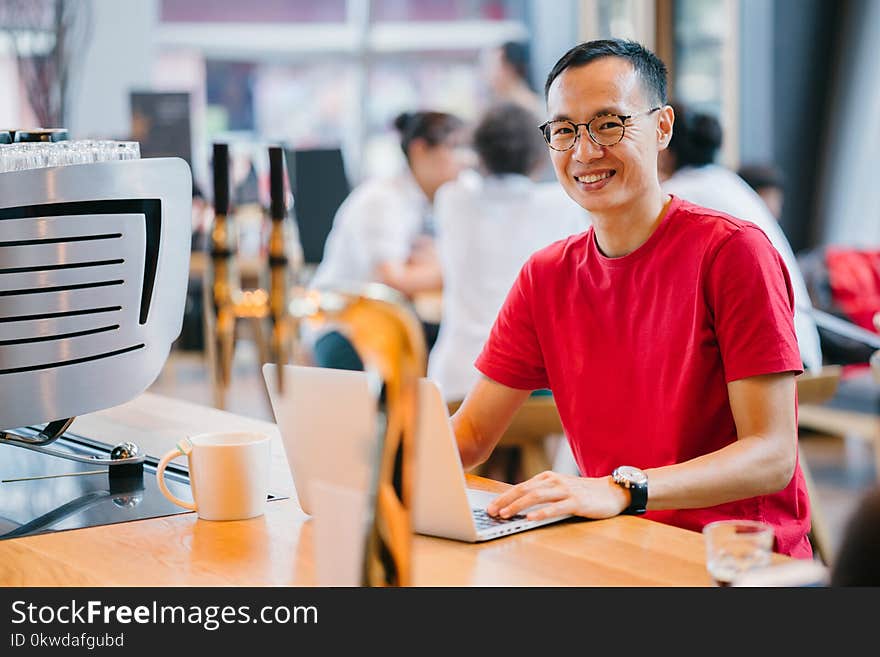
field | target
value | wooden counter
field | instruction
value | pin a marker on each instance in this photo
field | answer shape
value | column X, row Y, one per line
column 277, row 549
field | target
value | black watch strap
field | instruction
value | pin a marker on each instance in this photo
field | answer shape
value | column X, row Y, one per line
column 638, row 499
column 636, row 482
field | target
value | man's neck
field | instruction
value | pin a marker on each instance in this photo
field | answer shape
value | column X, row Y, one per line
column 622, row 231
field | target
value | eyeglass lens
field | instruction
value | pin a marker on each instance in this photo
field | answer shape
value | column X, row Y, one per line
column 606, row 130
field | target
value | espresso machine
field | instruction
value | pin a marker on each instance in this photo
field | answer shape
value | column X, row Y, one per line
column 94, row 264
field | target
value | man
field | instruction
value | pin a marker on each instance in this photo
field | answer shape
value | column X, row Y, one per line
column 665, row 331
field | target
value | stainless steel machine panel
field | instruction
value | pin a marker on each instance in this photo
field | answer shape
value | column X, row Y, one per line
column 94, row 263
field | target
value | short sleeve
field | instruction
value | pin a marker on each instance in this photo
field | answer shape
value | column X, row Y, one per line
column 750, row 294
column 383, row 230
column 512, row 355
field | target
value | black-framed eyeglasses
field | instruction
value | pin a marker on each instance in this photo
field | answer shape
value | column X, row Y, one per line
column 603, row 129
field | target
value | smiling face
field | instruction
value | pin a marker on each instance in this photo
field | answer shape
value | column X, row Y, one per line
column 608, row 179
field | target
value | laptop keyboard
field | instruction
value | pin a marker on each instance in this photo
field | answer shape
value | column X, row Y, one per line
column 484, row 521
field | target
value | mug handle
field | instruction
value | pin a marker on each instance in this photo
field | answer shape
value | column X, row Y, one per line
column 183, row 448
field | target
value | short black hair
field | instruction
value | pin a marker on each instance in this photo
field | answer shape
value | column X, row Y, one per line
column 647, row 65
column 696, row 137
column 506, row 140
column 759, row 175
column 434, row 127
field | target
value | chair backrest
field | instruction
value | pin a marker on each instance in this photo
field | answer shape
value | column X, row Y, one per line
column 820, row 387
column 319, row 185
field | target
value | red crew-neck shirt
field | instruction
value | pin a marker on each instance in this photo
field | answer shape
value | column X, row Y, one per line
column 638, row 350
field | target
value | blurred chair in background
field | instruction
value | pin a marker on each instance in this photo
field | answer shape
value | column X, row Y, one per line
column 524, row 441
column 688, row 170
column 875, row 357
column 487, row 228
column 817, row 388
column 845, row 283
column 319, row 185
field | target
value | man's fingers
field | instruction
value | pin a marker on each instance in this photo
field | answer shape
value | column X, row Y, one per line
column 512, row 494
column 505, row 498
column 536, row 496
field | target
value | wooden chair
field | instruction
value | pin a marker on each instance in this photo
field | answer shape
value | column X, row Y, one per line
column 536, row 419
column 817, row 389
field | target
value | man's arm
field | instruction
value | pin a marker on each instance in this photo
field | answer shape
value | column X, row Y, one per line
column 482, row 418
column 761, row 461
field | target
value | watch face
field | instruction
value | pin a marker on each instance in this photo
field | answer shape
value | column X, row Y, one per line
column 632, row 475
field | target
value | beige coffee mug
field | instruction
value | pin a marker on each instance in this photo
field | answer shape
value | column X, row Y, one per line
column 228, row 472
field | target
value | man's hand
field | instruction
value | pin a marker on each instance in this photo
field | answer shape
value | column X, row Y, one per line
column 563, row 494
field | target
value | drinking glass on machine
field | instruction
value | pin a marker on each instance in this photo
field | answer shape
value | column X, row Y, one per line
column 20, row 156
column 734, row 547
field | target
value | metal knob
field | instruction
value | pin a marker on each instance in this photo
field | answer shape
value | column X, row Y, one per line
column 125, row 450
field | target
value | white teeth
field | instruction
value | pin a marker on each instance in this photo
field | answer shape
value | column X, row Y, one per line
column 593, row 177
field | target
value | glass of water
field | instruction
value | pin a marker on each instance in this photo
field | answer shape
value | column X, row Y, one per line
column 734, row 547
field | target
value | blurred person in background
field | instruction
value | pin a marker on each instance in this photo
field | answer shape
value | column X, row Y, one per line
column 506, row 69
column 383, row 231
column 487, row 227
column 766, row 180
column 688, row 170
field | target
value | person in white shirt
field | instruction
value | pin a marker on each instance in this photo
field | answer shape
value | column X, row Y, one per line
column 383, row 231
column 487, row 227
column 687, row 170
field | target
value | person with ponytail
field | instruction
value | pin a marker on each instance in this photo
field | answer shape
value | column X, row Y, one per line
column 383, row 231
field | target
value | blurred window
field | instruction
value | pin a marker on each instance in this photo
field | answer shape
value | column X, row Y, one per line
column 259, row 11
column 329, row 73
column 699, row 45
column 705, row 72
column 448, row 10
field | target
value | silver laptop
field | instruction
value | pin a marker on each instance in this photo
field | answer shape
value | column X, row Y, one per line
column 327, row 423
column 327, row 418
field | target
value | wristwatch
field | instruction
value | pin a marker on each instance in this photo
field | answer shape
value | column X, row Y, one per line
column 636, row 482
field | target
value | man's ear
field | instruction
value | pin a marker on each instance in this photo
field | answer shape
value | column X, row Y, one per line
column 664, row 126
